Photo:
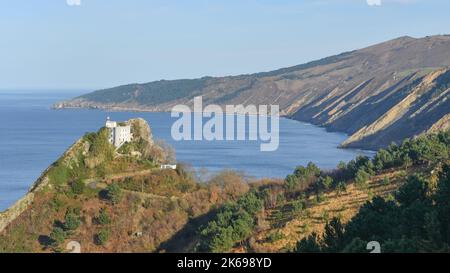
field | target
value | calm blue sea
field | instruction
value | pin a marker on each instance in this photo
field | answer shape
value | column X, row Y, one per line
column 32, row 136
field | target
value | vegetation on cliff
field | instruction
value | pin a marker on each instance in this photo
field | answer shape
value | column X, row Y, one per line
column 120, row 201
column 395, row 219
column 416, row 220
column 116, row 200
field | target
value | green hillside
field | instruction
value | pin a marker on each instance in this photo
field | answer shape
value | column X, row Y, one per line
column 112, row 200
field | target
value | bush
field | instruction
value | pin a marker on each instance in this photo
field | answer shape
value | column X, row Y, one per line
column 320, row 198
column 101, row 147
column 114, row 193
column 275, row 236
column 341, row 188
column 386, row 181
column 291, row 182
column 298, row 206
column 234, row 223
column 250, row 203
column 57, row 236
column 310, row 244
column 361, row 178
column 342, row 165
column 57, row 204
column 103, row 218
column 59, row 174
column 71, row 221
column 383, row 160
column 415, row 189
column 326, row 182
column 302, row 177
column 415, row 220
column 77, row 187
column 102, row 237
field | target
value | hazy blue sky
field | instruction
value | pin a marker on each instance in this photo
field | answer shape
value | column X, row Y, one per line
column 103, row 43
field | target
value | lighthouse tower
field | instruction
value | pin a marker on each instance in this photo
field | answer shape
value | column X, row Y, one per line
column 119, row 135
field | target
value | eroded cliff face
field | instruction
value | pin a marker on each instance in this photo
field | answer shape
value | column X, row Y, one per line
column 347, row 92
column 425, row 105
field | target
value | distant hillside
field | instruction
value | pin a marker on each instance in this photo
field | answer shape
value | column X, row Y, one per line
column 378, row 94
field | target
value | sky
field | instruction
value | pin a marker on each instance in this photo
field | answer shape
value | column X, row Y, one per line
column 92, row 44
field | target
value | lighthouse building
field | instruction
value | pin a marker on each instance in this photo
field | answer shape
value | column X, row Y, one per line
column 119, row 135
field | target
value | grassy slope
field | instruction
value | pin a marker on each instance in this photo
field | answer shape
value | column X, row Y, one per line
column 309, row 198
column 294, row 227
column 158, row 217
column 162, row 217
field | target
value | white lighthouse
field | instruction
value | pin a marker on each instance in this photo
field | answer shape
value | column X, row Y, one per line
column 119, row 135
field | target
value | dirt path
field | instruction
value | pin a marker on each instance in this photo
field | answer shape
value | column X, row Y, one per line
column 118, row 176
column 100, row 183
column 150, row 195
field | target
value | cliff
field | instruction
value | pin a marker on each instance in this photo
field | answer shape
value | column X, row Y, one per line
column 9, row 215
column 126, row 203
column 425, row 105
column 111, row 200
column 349, row 92
column 81, row 153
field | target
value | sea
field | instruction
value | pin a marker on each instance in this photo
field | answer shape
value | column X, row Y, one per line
column 33, row 136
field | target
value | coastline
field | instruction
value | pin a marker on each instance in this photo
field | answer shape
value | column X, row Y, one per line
column 146, row 109
column 12, row 212
column 8, row 215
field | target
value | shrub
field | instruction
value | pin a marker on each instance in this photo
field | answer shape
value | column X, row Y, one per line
column 302, row 177
column 114, row 193
column 57, row 236
column 361, row 178
column 341, row 188
column 386, row 181
column 326, row 182
column 275, row 236
column 320, row 198
column 325, row 216
column 103, row 218
column 342, row 165
column 370, row 194
column 298, row 206
column 71, row 221
column 234, row 223
column 310, row 244
column 59, row 174
column 102, row 237
column 291, row 182
column 277, row 215
column 101, row 147
column 77, row 187
column 57, row 204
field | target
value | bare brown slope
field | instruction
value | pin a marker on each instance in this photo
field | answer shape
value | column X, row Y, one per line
column 425, row 104
column 344, row 93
